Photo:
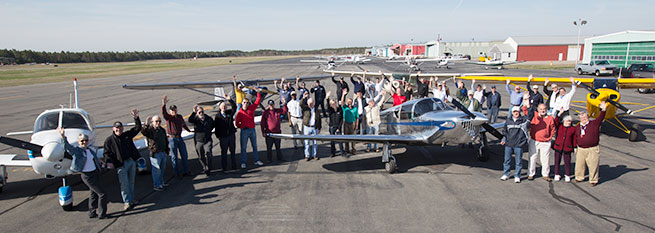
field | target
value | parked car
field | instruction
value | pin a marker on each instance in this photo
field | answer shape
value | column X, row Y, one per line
column 639, row 70
column 596, row 67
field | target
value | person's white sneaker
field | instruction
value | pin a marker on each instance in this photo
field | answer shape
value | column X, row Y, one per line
column 504, row 178
column 517, row 180
column 243, row 166
column 259, row 163
column 557, row 177
column 567, row 178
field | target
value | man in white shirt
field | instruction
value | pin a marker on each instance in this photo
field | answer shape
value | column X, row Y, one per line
column 563, row 99
column 438, row 91
column 295, row 117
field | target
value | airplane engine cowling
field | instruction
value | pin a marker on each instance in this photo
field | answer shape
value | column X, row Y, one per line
column 53, row 151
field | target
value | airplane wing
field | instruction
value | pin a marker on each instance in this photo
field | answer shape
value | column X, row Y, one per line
column 394, row 139
column 313, row 61
column 9, row 160
column 535, row 80
column 19, row 133
column 427, row 59
column 368, row 73
column 632, row 83
column 212, row 84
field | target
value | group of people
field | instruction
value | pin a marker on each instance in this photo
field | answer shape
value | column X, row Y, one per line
column 542, row 126
column 547, row 126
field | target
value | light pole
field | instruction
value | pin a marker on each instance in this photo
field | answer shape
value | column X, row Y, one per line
column 579, row 24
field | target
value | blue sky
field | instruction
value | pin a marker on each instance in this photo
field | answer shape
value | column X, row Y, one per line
column 250, row 25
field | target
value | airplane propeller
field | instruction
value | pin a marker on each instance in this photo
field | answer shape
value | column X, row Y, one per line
column 485, row 125
column 21, row 144
column 611, row 101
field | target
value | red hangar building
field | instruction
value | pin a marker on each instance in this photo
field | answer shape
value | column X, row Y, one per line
column 540, row 48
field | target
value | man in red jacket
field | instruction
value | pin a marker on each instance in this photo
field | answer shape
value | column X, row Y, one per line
column 587, row 137
column 270, row 123
column 245, row 120
column 542, row 129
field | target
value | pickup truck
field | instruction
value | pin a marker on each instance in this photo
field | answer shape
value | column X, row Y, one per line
column 596, row 67
column 639, row 70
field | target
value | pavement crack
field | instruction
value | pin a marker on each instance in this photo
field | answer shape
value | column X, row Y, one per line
column 567, row 201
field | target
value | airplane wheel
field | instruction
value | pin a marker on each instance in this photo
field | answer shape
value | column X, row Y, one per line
column 390, row 166
column 68, row 207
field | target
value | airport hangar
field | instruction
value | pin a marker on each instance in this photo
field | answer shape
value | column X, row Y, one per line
column 621, row 48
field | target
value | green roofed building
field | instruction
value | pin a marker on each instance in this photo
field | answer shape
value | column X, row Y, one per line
column 621, row 48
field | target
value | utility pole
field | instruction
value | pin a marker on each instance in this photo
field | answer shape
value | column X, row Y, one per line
column 578, row 24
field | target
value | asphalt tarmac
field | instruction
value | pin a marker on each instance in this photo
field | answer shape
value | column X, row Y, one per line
column 437, row 189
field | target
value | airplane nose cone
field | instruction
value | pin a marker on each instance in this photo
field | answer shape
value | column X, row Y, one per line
column 53, row 151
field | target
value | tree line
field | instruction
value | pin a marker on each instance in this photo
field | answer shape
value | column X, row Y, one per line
column 13, row 56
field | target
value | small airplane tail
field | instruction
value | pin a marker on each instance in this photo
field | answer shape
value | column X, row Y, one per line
column 77, row 104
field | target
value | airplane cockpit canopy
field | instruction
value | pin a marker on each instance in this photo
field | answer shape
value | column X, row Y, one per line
column 417, row 108
column 50, row 121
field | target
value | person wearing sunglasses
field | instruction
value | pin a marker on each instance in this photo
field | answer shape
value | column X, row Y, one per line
column 203, row 126
column 159, row 150
column 87, row 163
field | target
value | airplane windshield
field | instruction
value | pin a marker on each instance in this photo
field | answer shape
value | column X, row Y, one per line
column 48, row 121
column 74, row 120
column 428, row 105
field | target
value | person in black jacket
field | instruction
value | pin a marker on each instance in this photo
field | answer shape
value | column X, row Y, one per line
column 225, row 131
column 311, row 121
column 335, row 113
column 358, row 85
column 341, row 85
column 423, row 88
column 120, row 152
column 493, row 103
column 319, row 96
column 202, row 127
column 159, row 150
column 535, row 97
column 516, row 135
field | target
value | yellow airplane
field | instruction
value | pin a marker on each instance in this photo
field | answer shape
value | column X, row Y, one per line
column 600, row 89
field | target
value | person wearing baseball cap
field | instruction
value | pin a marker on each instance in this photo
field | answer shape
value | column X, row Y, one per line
column 472, row 104
column 493, row 104
column 270, row 123
column 535, row 97
column 295, row 117
column 516, row 137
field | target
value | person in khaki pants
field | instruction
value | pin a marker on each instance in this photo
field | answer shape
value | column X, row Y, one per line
column 586, row 139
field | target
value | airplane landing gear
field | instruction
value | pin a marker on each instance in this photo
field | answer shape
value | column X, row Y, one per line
column 483, row 154
column 3, row 177
column 388, row 159
column 66, row 196
column 634, row 132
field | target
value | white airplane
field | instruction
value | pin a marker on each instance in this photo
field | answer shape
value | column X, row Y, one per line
column 413, row 63
column 331, row 62
column 494, row 63
column 46, row 151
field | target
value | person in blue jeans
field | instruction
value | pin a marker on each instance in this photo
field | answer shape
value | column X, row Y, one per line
column 175, row 123
column 516, row 137
column 245, row 120
column 120, row 152
column 158, row 146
